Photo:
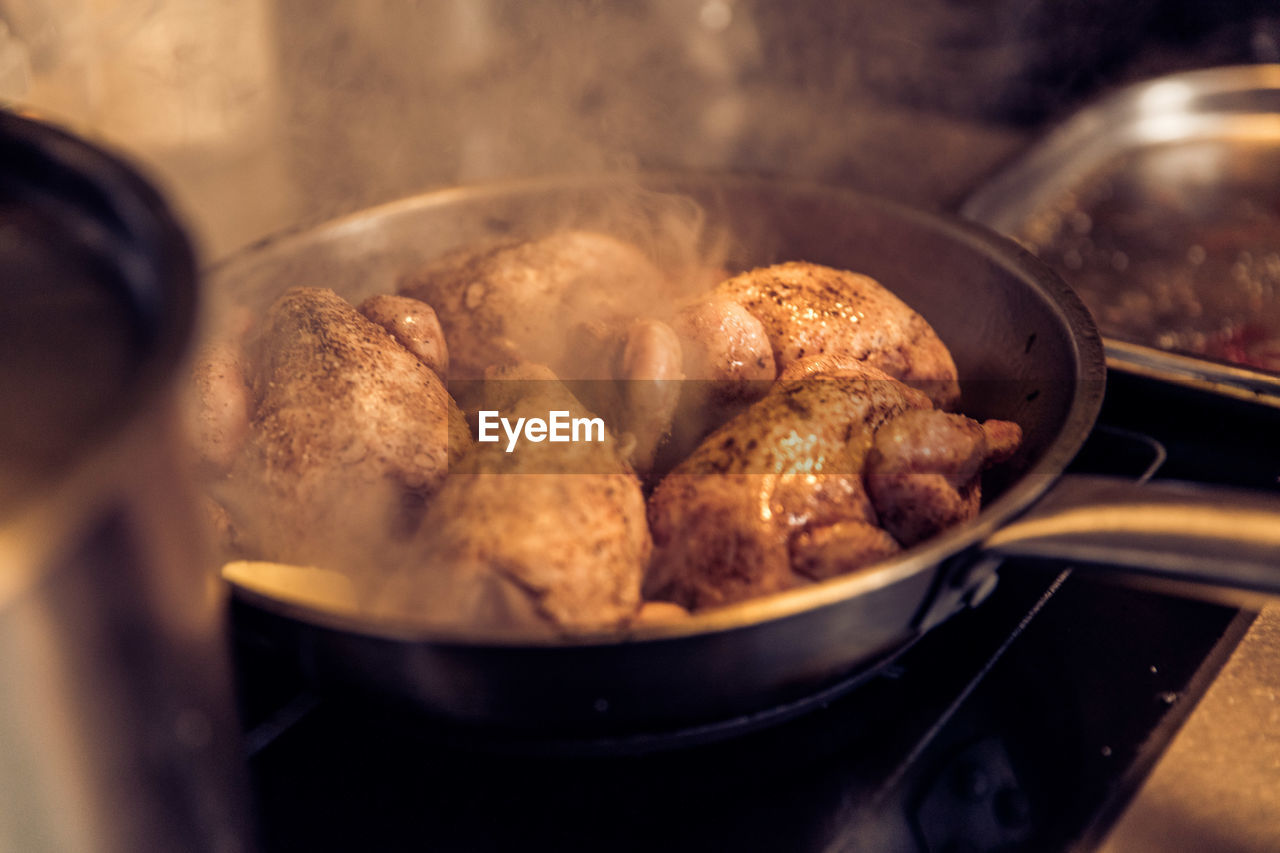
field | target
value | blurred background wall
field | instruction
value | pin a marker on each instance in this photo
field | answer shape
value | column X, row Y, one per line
column 260, row 114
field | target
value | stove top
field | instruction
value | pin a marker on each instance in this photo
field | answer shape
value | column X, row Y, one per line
column 1025, row 724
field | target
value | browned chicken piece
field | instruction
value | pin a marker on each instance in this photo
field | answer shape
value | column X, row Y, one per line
column 415, row 327
column 575, row 301
column 754, row 508
column 350, row 436
column 922, row 471
column 547, row 539
column 542, row 301
column 776, row 498
column 808, row 310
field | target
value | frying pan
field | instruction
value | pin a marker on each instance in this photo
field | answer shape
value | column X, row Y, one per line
column 1026, row 350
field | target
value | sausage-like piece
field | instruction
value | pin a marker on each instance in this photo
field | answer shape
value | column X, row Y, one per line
column 414, row 325
column 725, row 344
column 651, row 369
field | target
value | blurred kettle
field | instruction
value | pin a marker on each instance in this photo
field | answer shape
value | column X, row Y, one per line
column 117, row 730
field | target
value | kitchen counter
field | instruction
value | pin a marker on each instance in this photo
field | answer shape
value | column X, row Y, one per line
column 1217, row 786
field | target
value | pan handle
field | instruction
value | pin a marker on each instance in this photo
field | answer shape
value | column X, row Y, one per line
column 1180, row 532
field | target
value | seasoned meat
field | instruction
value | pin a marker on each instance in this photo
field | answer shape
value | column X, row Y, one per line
column 550, row 538
column 725, row 520
column 562, row 300
column 809, row 310
column 725, row 345
column 776, row 498
column 414, row 326
column 218, row 414
column 580, row 302
column 334, row 442
column 922, row 471
column 350, row 435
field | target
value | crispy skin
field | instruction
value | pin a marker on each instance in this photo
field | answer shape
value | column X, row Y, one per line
column 350, row 436
column 777, row 498
column 741, row 516
column 809, row 310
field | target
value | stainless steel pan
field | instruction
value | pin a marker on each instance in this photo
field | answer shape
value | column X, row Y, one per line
column 1026, row 350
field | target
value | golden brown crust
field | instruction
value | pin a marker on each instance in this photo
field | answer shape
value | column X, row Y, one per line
column 811, row 310
column 834, row 470
column 725, row 520
column 347, row 434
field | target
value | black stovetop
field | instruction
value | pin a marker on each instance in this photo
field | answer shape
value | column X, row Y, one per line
column 1020, row 726
column 1024, row 724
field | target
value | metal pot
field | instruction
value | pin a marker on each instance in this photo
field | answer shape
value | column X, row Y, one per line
column 117, row 729
column 1026, row 350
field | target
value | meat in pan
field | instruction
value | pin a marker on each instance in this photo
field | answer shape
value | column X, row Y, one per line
column 549, row 539
column 811, row 310
column 766, row 321
column 331, row 434
column 837, row 467
column 560, row 300
column 333, row 441
column 581, row 303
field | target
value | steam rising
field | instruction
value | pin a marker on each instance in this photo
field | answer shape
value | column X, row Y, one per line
column 261, row 114
column 387, row 97
column 372, row 101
